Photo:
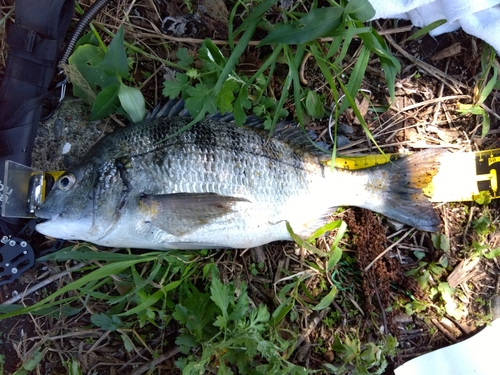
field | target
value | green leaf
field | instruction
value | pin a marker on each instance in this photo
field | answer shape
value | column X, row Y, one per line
column 211, row 53
column 326, row 300
column 127, row 343
column 31, row 363
column 360, row 10
column 146, row 301
column 74, row 368
column 225, row 97
column 281, row 311
column 241, row 103
column 419, row 254
column 173, row 89
column 423, row 280
column 472, row 109
column 303, row 243
column 314, row 105
column 88, row 38
column 106, row 322
column 441, row 242
column 489, row 86
column 184, row 58
column 315, row 24
column 84, row 254
column 200, row 98
column 115, row 60
column 356, row 78
column 106, row 102
column 483, row 198
column 389, row 63
column 334, row 258
column 255, row 16
column 327, row 228
column 132, row 102
column 425, row 30
column 98, row 274
column 493, row 253
column 86, row 72
column 222, row 296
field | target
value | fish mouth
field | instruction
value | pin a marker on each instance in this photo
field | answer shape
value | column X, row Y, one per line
column 46, row 215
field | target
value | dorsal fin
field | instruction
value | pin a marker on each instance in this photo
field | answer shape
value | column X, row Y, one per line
column 286, row 131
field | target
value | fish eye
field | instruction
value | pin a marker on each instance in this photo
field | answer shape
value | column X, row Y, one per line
column 66, row 182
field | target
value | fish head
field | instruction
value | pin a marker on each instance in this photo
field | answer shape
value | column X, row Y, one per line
column 81, row 204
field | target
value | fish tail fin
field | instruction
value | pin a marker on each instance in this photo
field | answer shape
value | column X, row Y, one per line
column 400, row 184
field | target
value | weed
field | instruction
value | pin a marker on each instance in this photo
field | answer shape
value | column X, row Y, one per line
column 227, row 332
column 216, row 85
column 97, row 74
column 483, row 89
column 370, row 358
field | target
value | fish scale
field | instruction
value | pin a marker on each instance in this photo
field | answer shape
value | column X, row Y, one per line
column 160, row 184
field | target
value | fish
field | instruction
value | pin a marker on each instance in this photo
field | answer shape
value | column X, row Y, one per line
column 162, row 184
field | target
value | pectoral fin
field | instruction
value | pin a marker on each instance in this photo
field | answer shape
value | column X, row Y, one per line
column 182, row 213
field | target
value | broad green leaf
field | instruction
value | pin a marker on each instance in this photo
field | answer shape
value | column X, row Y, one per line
column 127, row 342
column 314, row 105
column 425, row 30
column 88, row 38
column 326, row 228
column 106, row 102
column 132, row 102
column 86, row 64
column 441, row 242
column 315, row 24
column 74, row 368
column 326, row 300
column 493, row 253
column 115, row 60
column 106, row 322
column 210, row 52
column 360, row 10
column 31, row 363
column 483, row 198
column 334, row 258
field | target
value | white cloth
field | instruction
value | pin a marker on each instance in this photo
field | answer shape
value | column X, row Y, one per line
column 477, row 355
column 480, row 18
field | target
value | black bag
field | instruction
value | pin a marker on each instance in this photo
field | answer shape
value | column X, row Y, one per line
column 35, row 42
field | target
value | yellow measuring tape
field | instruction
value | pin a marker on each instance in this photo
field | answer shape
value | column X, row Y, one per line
column 462, row 176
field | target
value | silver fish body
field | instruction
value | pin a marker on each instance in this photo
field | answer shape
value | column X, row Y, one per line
column 157, row 185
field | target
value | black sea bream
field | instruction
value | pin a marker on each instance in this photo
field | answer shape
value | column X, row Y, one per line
column 155, row 185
